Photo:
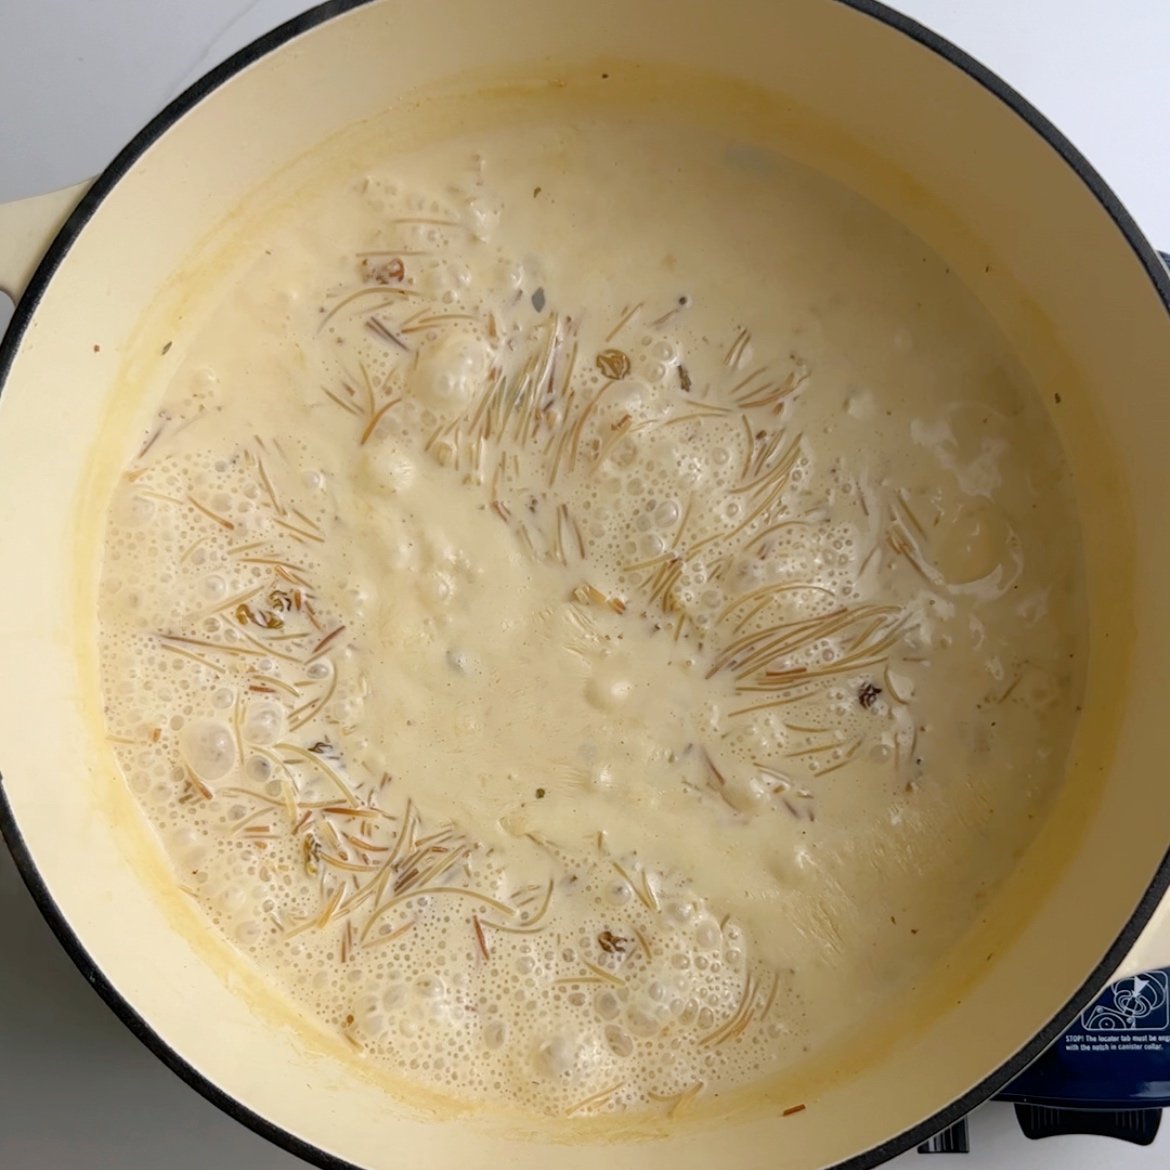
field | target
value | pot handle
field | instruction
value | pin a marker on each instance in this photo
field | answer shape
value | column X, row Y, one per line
column 27, row 227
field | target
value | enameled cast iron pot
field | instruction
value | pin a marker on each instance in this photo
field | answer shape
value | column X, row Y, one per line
column 871, row 98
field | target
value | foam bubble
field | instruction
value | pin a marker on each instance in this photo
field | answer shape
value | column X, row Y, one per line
column 208, row 748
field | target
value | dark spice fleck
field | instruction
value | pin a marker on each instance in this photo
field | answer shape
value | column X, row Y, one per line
column 540, row 794
column 310, row 851
column 167, row 348
column 281, row 601
column 684, row 377
column 1056, row 399
column 613, row 363
column 611, row 943
column 263, row 618
column 538, row 301
column 868, row 694
column 391, row 271
column 536, row 191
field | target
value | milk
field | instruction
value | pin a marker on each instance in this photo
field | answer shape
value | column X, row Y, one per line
column 593, row 617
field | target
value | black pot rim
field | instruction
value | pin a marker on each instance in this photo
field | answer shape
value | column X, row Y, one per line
column 23, row 315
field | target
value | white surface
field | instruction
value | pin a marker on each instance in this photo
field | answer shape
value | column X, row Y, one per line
column 77, row 79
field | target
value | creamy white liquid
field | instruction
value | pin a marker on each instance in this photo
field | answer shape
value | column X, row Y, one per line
column 641, row 545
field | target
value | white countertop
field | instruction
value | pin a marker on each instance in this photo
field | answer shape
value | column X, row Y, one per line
column 77, row 79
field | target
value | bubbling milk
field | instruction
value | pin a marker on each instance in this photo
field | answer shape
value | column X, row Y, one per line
column 587, row 641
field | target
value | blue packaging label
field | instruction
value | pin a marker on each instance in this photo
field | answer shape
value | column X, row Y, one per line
column 1133, row 1015
column 1116, row 1055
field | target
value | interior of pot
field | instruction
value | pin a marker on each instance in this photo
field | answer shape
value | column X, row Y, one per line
column 851, row 95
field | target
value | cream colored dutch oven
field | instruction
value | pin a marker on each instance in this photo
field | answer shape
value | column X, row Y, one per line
column 869, row 97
